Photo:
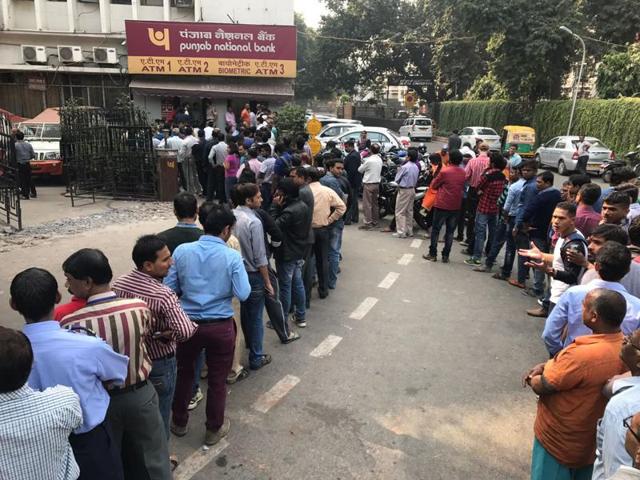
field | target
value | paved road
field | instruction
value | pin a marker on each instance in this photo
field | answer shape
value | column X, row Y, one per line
column 422, row 384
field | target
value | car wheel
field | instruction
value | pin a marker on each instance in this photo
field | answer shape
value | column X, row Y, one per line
column 606, row 176
column 538, row 161
column 562, row 168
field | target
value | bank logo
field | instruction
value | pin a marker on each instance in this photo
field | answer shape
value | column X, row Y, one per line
column 160, row 38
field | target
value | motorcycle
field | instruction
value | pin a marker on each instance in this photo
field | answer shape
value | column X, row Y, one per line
column 631, row 159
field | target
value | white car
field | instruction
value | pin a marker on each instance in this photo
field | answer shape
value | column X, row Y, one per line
column 487, row 135
column 334, row 129
column 562, row 153
column 417, row 129
column 385, row 137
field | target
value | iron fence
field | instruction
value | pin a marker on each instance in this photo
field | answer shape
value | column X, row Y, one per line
column 10, row 209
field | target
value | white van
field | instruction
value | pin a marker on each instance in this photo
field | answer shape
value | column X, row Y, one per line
column 418, row 129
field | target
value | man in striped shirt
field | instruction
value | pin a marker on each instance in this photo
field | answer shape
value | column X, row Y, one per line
column 34, row 426
column 169, row 323
column 124, row 324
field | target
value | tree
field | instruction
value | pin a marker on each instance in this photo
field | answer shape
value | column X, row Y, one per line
column 619, row 74
column 615, row 21
column 487, row 88
column 310, row 78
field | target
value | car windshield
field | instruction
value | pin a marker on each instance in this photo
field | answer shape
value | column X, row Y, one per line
column 31, row 131
column 595, row 143
column 423, row 122
column 485, row 131
column 51, row 131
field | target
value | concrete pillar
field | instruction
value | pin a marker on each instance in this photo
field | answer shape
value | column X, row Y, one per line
column 166, row 10
column 135, row 7
column 72, row 14
column 197, row 10
column 105, row 16
column 7, row 11
column 39, row 6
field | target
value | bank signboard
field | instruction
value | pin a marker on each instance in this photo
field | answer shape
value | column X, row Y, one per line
column 224, row 49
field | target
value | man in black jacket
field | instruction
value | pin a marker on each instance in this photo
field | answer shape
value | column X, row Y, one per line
column 351, row 163
column 293, row 218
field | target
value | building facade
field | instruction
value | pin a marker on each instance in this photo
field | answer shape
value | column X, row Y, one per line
column 51, row 51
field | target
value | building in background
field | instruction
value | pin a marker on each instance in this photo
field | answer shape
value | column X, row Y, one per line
column 51, row 51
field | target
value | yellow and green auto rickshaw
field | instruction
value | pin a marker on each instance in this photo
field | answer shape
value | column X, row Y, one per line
column 524, row 137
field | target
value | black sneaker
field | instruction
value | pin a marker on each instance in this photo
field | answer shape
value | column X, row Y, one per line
column 445, row 259
column 301, row 323
column 430, row 258
column 264, row 360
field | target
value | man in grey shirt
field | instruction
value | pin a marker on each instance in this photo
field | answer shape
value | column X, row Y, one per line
column 24, row 155
column 250, row 233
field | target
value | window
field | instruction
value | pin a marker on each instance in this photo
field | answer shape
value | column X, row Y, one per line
column 331, row 132
column 33, row 131
column 551, row 142
column 51, row 131
column 561, row 145
column 487, row 131
column 423, row 122
column 466, row 131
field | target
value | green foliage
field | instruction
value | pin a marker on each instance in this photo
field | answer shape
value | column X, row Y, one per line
column 487, row 88
column 494, row 114
column 291, row 119
column 310, row 81
column 619, row 74
column 611, row 20
column 615, row 122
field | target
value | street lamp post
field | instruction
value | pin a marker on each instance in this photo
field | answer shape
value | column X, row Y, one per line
column 577, row 83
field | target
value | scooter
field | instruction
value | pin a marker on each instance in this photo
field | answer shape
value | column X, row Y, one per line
column 631, row 159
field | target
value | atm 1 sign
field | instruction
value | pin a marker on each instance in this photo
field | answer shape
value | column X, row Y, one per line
column 181, row 48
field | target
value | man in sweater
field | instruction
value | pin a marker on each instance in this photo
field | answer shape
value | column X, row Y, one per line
column 450, row 186
column 185, row 208
column 371, row 171
column 569, row 387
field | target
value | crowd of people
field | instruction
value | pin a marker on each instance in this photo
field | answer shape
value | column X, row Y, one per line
column 94, row 388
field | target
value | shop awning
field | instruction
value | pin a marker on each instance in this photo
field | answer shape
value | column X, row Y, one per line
column 216, row 87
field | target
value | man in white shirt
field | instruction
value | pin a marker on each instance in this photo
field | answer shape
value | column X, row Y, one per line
column 583, row 155
column 208, row 130
column 189, row 167
column 371, row 170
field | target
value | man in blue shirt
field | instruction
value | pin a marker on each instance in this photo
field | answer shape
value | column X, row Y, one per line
column 206, row 275
column 612, row 264
column 529, row 170
column 77, row 360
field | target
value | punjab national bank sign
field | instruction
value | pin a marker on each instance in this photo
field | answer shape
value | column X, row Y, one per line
column 180, row 48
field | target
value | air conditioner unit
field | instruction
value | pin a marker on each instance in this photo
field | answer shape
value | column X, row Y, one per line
column 70, row 54
column 105, row 55
column 184, row 3
column 34, row 54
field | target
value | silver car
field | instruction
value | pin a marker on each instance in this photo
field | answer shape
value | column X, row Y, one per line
column 562, row 153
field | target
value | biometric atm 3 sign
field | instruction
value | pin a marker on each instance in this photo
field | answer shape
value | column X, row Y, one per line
column 225, row 49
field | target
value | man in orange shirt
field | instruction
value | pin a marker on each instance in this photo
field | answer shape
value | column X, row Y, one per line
column 570, row 390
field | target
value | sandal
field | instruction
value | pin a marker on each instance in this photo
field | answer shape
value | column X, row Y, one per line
column 242, row 374
column 174, row 462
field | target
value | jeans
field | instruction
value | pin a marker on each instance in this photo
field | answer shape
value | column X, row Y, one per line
column 163, row 379
column 335, row 246
column 277, row 314
column 522, row 241
column 292, row 287
column 321, row 252
column 218, row 339
column 229, row 182
column 503, row 235
column 484, row 222
column 538, row 276
column 251, row 311
column 440, row 218
column 472, row 206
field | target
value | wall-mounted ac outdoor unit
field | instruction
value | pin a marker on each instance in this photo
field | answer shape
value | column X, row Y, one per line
column 70, row 54
column 105, row 55
column 34, row 54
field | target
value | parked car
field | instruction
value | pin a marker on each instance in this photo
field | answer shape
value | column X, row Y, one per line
column 333, row 130
column 43, row 133
column 562, row 153
column 385, row 137
column 418, row 129
column 487, row 135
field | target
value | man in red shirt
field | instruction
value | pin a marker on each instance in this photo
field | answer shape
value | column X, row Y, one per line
column 450, row 186
column 587, row 219
column 473, row 175
column 489, row 189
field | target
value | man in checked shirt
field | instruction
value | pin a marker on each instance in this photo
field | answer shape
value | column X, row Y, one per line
column 169, row 323
column 138, row 431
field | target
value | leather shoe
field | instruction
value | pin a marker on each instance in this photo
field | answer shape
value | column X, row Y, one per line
column 538, row 312
column 515, row 283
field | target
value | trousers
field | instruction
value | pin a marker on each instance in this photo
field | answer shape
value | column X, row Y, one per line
column 370, row 209
column 448, row 218
column 96, row 454
column 404, row 210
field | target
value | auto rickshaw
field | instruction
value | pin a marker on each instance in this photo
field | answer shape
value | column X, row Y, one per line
column 524, row 137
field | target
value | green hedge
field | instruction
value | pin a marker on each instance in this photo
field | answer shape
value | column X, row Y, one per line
column 615, row 122
column 494, row 114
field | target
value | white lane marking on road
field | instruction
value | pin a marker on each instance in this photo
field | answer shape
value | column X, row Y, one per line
column 326, row 346
column 389, row 280
column 366, row 305
column 405, row 259
column 275, row 394
column 416, row 243
column 198, row 460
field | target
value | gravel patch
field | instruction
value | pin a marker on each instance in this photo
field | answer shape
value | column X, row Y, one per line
column 11, row 239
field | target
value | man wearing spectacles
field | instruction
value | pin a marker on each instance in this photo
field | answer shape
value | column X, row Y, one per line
column 570, row 390
column 610, row 440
